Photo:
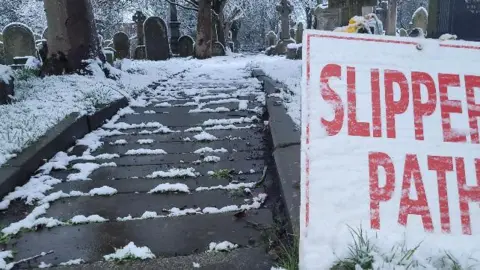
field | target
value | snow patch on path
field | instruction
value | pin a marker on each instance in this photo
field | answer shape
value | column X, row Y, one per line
column 142, row 151
column 210, row 150
column 205, row 136
column 130, row 251
column 174, row 172
column 103, row 191
column 222, row 246
column 167, row 187
column 81, row 219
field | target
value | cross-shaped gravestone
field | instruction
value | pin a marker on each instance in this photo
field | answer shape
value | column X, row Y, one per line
column 139, row 18
column 285, row 8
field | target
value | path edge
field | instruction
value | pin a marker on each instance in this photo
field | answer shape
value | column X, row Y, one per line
column 17, row 171
column 285, row 137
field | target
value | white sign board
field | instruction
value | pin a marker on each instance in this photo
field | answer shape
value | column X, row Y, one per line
column 391, row 145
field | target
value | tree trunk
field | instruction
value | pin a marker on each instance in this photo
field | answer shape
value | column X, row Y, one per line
column 203, row 44
column 218, row 7
column 392, row 18
column 72, row 36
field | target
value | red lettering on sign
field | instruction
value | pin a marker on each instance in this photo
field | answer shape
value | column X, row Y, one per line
column 448, row 106
column 355, row 128
column 379, row 194
column 376, row 106
column 395, row 107
column 422, row 109
column 409, row 206
column 442, row 165
column 334, row 126
column 472, row 82
column 467, row 193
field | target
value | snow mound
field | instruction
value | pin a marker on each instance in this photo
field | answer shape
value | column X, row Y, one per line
column 103, row 191
column 174, row 172
column 205, row 136
column 81, row 219
column 222, row 246
column 166, row 187
column 130, row 251
column 210, row 150
column 143, row 151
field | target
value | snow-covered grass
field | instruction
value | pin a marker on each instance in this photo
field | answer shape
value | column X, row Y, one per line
column 40, row 103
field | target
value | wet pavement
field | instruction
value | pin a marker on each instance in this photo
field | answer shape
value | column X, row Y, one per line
column 217, row 190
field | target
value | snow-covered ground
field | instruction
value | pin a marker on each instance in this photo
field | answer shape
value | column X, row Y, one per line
column 42, row 103
column 289, row 73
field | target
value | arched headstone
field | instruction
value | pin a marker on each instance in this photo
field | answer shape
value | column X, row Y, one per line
column 18, row 41
column 299, row 33
column 271, row 39
column 121, row 43
column 420, row 19
column 218, row 49
column 156, row 39
column 185, row 46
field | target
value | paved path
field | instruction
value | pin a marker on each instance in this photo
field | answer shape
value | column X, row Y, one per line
column 217, row 116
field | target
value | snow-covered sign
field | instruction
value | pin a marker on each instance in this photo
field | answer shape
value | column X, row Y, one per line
column 391, row 149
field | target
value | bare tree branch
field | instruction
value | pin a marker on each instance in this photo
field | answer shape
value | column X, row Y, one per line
column 182, row 6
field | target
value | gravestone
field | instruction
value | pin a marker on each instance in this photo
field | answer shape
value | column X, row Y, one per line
column 292, row 33
column 121, row 43
column 139, row 18
column 140, row 53
column 403, row 32
column 186, row 46
column 299, row 33
column 18, row 41
column 328, row 18
column 382, row 13
column 285, row 8
column 109, row 56
column 271, row 39
column 2, row 54
column 218, row 49
column 156, row 39
column 459, row 17
column 174, row 28
column 420, row 19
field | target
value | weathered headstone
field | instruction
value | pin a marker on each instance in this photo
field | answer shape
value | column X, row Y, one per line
column 328, row 18
column 382, row 13
column 18, row 40
column 186, row 46
column 292, row 33
column 299, row 33
column 139, row 18
column 156, row 39
column 174, row 27
column 218, row 49
column 121, row 43
column 140, row 53
column 420, row 19
column 109, row 56
column 231, row 45
column 271, row 39
column 284, row 9
column 403, row 32
column 6, row 84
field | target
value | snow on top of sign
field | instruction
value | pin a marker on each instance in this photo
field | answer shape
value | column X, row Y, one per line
column 348, row 170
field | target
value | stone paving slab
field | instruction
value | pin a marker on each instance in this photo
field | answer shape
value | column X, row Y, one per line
column 189, row 119
column 122, row 172
column 175, row 158
column 146, row 184
column 240, row 259
column 254, row 143
column 165, row 237
column 179, row 136
column 122, row 205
